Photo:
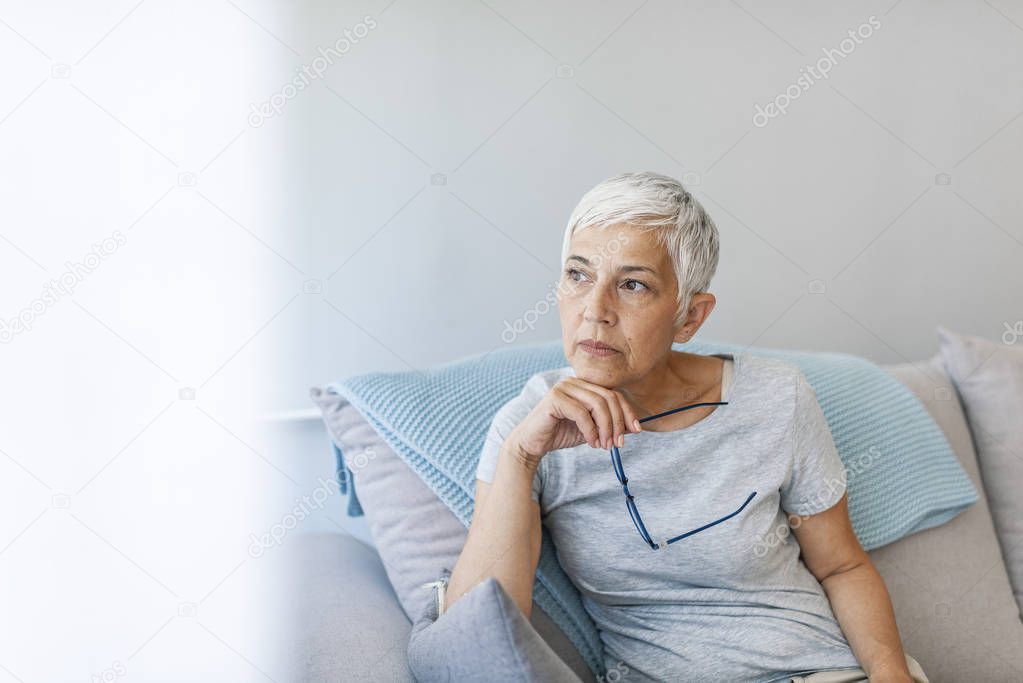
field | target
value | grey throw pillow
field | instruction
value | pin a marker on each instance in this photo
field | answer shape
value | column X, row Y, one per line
column 989, row 377
column 949, row 585
column 482, row 637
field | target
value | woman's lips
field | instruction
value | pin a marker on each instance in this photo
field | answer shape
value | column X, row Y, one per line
column 598, row 351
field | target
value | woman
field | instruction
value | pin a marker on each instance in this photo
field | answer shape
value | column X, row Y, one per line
column 753, row 461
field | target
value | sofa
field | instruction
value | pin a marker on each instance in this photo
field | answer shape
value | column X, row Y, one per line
column 950, row 585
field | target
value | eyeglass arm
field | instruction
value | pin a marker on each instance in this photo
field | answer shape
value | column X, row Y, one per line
column 717, row 521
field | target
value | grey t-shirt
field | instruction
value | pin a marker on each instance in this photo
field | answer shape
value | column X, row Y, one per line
column 733, row 602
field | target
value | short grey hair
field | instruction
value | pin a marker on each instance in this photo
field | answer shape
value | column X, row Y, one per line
column 653, row 201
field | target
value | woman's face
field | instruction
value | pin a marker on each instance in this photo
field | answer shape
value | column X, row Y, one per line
column 617, row 287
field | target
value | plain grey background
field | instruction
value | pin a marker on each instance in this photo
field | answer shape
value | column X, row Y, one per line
column 523, row 107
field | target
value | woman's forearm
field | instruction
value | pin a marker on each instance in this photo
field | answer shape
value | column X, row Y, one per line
column 863, row 608
column 504, row 536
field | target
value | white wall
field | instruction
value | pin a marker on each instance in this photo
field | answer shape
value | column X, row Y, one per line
column 843, row 188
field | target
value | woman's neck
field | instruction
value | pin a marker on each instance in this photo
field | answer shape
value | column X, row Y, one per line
column 681, row 379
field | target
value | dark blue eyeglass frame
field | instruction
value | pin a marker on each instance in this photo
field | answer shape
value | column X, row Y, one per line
column 630, row 503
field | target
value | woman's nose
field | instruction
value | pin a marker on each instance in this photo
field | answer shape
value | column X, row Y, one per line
column 599, row 307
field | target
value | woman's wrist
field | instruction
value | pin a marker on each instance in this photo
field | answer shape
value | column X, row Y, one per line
column 528, row 461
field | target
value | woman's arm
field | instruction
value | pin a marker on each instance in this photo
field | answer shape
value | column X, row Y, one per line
column 856, row 590
column 504, row 535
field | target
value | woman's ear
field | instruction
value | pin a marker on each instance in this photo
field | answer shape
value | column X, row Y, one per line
column 700, row 306
column 682, row 336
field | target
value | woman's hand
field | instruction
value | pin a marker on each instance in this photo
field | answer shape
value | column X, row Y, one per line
column 574, row 412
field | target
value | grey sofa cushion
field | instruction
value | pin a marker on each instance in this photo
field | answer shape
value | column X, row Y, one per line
column 348, row 624
column 949, row 586
column 482, row 637
column 416, row 535
column 989, row 379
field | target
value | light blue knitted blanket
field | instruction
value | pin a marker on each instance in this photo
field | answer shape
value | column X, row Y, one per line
column 437, row 421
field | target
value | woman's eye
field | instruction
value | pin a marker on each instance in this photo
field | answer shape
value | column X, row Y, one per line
column 635, row 282
column 572, row 272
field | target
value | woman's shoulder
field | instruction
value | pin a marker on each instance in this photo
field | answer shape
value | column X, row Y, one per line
column 769, row 369
column 773, row 383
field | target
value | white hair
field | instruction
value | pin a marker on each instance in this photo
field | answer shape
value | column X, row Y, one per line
column 648, row 200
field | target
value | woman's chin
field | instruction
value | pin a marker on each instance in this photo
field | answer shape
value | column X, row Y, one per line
column 595, row 371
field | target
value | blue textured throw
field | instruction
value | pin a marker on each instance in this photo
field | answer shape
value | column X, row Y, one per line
column 902, row 475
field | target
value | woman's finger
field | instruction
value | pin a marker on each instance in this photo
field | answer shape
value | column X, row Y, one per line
column 599, row 410
column 571, row 408
column 617, row 415
column 631, row 417
column 624, row 416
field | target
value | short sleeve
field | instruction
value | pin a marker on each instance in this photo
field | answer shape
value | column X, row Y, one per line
column 817, row 477
column 507, row 418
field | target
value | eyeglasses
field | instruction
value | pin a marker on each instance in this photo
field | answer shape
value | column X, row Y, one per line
column 616, row 463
